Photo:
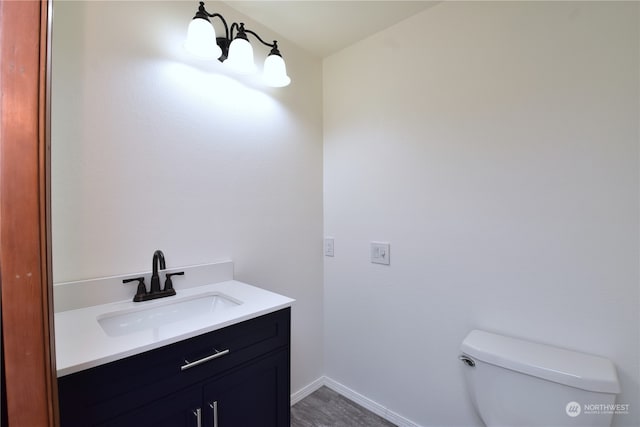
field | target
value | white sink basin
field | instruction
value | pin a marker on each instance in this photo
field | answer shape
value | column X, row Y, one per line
column 159, row 313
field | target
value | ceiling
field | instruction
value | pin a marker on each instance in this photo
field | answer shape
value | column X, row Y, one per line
column 323, row 27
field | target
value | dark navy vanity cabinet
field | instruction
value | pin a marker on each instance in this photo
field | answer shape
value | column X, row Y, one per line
column 237, row 376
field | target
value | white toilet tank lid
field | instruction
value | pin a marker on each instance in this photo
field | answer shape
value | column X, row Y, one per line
column 555, row 364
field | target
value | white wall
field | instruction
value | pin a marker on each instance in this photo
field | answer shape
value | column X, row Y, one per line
column 155, row 150
column 495, row 145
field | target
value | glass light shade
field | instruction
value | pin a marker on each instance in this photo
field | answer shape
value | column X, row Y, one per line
column 241, row 56
column 275, row 71
column 201, row 39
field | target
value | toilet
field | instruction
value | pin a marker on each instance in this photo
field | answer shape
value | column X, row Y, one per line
column 518, row 383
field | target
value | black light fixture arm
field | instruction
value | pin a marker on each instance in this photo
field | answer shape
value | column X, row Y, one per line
column 274, row 44
column 228, row 32
column 242, row 33
column 202, row 13
column 226, row 27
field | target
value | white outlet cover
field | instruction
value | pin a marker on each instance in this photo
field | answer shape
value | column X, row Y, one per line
column 380, row 253
column 328, row 246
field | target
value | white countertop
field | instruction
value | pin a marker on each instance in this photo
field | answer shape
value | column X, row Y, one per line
column 81, row 343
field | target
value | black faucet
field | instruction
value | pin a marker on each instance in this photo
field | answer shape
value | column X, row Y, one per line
column 155, row 279
column 155, row 291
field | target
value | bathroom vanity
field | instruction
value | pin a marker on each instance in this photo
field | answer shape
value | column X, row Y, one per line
column 225, row 367
column 236, row 376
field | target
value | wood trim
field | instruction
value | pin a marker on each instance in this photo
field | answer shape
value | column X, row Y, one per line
column 25, row 279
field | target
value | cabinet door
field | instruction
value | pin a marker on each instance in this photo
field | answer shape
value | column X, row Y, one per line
column 256, row 395
column 182, row 408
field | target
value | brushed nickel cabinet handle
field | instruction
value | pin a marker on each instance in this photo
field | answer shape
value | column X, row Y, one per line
column 214, row 406
column 215, row 355
column 198, row 414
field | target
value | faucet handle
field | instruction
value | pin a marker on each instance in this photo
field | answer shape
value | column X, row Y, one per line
column 168, row 284
column 142, row 288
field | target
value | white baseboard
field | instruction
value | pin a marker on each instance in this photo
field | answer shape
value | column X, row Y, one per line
column 306, row 390
column 354, row 396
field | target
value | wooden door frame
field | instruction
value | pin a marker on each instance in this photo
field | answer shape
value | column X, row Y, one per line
column 25, row 231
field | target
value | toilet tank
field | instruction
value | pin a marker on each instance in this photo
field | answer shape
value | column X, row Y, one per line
column 514, row 382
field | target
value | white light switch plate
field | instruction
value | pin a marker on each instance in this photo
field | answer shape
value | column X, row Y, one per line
column 380, row 253
column 328, row 246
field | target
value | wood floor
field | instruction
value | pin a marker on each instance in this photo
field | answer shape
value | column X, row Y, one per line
column 326, row 408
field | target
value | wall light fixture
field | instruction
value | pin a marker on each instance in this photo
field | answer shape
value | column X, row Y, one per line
column 234, row 52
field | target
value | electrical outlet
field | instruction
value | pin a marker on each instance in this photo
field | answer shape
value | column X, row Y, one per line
column 380, row 253
column 328, row 246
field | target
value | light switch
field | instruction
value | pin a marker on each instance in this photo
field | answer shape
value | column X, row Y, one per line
column 380, row 253
column 328, row 246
